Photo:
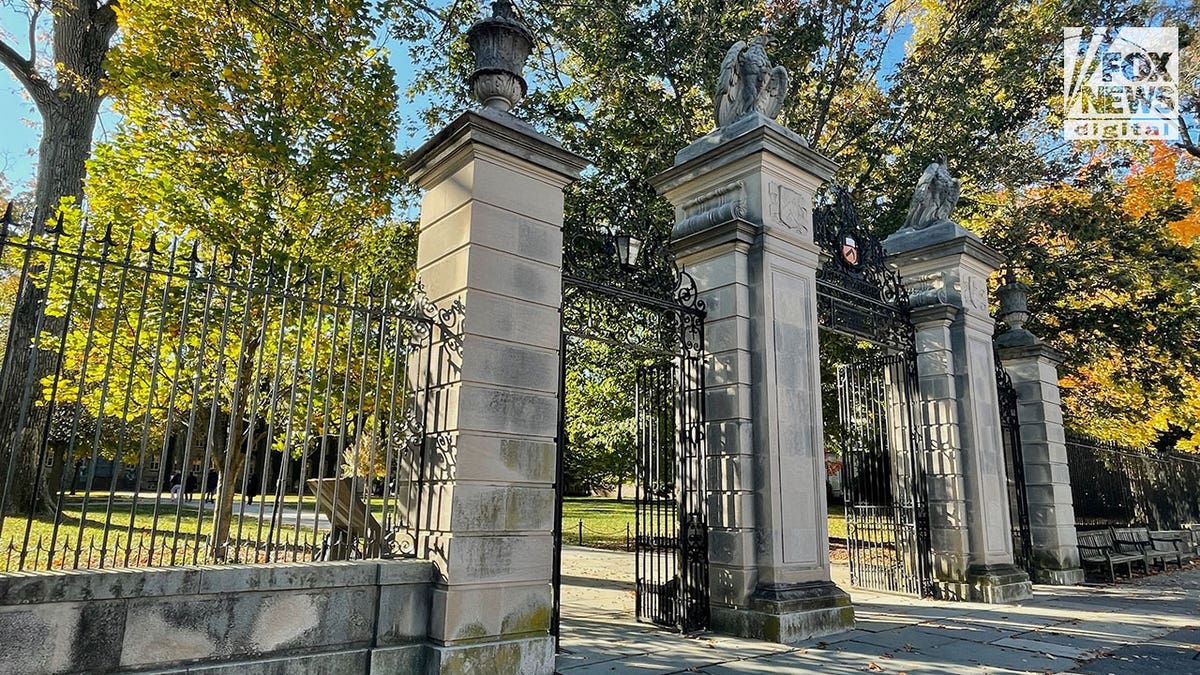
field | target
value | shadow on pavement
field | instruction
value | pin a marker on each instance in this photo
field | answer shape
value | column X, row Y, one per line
column 1126, row 629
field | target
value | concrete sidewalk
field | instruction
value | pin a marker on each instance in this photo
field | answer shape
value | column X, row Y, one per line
column 1149, row 626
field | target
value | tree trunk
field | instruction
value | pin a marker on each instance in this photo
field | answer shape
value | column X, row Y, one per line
column 219, row 543
column 64, row 150
column 234, row 450
column 82, row 33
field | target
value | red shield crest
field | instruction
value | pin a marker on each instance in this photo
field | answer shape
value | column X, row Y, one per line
column 850, row 250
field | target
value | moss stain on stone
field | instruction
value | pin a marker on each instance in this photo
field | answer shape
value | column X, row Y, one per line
column 471, row 631
column 498, row 660
column 772, row 630
column 526, row 620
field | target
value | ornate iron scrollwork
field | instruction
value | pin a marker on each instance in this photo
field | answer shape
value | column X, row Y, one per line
column 857, row 293
column 1008, row 396
column 649, row 301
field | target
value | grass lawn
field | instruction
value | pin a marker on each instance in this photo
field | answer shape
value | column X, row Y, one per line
column 177, row 534
column 837, row 521
column 604, row 521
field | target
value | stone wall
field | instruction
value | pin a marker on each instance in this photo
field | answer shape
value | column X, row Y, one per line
column 339, row 617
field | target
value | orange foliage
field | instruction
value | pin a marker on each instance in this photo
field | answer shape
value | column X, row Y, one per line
column 1155, row 185
column 1187, row 229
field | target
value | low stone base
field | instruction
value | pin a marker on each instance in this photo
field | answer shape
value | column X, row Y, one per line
column 788, row 614
column 1067, row 577
column 310, row 664
column 527, row 656
column 951, row 591
column 400, row 659
column 998, row 584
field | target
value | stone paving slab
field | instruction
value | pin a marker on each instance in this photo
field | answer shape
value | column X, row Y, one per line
column 1147, row 626
column 874, row 623
column 1176, row 653
column 971, row 631
column 909, row 639
column 1046, row 647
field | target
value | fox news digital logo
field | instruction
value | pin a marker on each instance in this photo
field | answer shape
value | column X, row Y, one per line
column 1121, row 83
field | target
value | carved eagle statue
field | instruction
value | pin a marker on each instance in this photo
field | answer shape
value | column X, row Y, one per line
column 935, row 197
column 749, row 83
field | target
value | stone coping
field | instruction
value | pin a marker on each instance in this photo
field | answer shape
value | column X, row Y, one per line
column 1038, row 350
column 749, row 136
column 941, row 239
column 21, row 588
column 752, row 122
column 498, row 130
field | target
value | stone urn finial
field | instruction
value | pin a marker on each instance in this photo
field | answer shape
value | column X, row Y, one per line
column 501, row 44
column 1014, row 310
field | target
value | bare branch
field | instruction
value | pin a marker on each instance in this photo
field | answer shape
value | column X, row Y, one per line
column 1186, row 142
column 37, row 10
column 23, row 69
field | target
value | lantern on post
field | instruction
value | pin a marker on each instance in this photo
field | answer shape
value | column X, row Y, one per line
column 629, row 248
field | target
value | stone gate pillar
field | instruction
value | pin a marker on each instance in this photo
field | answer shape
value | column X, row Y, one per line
column 743, row 229
column 945, row 269
column 491, row 237
column 1033, row 367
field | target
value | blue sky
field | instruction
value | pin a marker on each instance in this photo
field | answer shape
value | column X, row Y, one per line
column 18, row 132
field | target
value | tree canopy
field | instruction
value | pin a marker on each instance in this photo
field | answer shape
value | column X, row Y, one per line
column 283, row 141
column 1103, row 232
column 1112, row 258
column 240, row 124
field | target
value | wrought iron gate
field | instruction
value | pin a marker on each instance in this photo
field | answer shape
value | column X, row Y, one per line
column 623, row 291
column 887, row 524
column 858, row 295
column 671, row 542
column 1014, row 469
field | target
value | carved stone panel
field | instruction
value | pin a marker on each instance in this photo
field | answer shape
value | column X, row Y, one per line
column 976, row 292
column 800, row 479
column 789, row 208
column 711, row 208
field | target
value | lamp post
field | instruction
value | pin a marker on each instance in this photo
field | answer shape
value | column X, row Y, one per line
column 501, row 44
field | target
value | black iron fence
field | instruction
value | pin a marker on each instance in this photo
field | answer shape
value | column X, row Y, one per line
column 163, row 402
column 1112, row 484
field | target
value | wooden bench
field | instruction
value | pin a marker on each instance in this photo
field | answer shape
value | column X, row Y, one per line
column 350, row 521
column 1096, row 548
column 1177, row 543
column 1136, row 540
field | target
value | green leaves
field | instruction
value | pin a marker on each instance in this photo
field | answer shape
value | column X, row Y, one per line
column 1113, row 264
column 271, row 129
column 601, row 422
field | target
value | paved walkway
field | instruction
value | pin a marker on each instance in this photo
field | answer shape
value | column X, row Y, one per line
column 1150, row 626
